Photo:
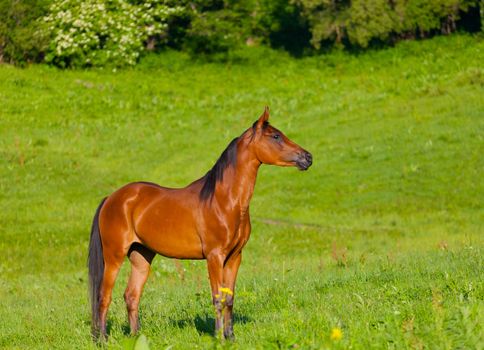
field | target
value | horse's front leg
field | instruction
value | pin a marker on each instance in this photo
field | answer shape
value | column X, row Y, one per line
column 230, row 275
column 215, row 262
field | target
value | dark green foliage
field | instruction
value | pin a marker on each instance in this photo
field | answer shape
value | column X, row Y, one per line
column 216, row 28
column 360, row 22
column 470, row 21
column 215, row 32
column 221, row 26
column 284, row 26
column 19, row 41
column 176, row 33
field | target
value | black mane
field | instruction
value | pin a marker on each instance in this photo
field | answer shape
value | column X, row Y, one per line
column 227, row 158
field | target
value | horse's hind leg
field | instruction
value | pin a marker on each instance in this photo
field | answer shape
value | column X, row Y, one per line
column 111, row 269
column 140, row 258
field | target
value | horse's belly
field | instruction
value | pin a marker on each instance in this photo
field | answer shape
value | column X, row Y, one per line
column 170, row 231
column 173, row 244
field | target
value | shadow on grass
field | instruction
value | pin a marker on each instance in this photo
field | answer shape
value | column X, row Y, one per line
column 205, row 323
column 125, row 329
column 111, row 324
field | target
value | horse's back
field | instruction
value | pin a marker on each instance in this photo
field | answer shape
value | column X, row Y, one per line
column 162, row 219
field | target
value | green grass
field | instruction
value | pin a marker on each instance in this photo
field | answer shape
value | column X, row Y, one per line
column 382, row 237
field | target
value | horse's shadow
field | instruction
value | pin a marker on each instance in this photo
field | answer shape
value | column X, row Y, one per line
column 111, row 324
column 205, row 323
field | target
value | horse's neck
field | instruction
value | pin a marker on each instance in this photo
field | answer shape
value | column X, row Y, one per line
column 239, row 182
column 245, row 178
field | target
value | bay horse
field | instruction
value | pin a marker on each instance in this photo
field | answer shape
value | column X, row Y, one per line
column 208, row 219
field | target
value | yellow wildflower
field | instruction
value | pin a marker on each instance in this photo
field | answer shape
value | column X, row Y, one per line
column 336, row 334
column 226, row 291
column 217, row 296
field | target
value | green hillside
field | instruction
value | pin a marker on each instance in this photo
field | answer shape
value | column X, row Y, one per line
column 381, row 238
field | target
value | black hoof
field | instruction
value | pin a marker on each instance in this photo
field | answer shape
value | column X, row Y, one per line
column 229, row 335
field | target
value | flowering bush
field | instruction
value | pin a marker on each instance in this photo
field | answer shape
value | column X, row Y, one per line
column 103, row 32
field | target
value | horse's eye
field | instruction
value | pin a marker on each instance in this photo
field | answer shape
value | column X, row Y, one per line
column 275, row 136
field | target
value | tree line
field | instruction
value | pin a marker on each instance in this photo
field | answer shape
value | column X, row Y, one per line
column 80, row 33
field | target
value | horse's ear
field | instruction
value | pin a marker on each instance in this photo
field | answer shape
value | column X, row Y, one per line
column 264, row 118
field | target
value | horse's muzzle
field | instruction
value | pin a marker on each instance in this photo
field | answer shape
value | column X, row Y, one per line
column 304, row 160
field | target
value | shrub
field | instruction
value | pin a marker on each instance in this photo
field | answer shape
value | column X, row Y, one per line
column 18, row 27
column 219, row 26
column 282, row 25
column 100, row 32
column 214, row 32
column 224, row 25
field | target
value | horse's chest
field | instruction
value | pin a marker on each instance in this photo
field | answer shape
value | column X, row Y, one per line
column 239, row 235
column 227, row 234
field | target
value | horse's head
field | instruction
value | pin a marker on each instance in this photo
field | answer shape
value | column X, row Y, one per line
column 271, row 146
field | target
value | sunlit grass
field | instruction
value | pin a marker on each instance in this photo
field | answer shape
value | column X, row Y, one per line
column 381, row 239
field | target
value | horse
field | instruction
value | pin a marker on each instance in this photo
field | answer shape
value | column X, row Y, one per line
column 208, row 219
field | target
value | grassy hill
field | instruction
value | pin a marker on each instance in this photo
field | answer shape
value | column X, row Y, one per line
column 382, row 237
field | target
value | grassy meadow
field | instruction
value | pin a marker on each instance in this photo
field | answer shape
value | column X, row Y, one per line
column 382, row 237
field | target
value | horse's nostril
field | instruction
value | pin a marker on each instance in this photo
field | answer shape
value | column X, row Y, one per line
column 304, row 160
column 309, row 157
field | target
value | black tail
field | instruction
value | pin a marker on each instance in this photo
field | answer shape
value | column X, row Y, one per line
column 95, row 263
